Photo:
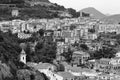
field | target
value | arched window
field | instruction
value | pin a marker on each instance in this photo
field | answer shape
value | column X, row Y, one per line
column 23, row 58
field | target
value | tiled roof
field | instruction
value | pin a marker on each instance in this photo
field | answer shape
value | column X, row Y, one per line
column 106, row 75
column 43, row 66
column 66, row 74
column 105, row 59
column 76, row 69
column 79, row 52
column 31, row 64
column 116, row 58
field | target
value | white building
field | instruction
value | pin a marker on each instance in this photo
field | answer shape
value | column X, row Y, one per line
column 23, row 57
column 15, row 12
column 118, row 54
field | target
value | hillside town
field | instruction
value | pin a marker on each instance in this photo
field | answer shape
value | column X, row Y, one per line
column 66, row 47
column 83, row 36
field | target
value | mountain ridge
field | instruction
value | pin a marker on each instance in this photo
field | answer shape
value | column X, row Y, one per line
column 47, row 1
column 112, row 18
column 94, row 12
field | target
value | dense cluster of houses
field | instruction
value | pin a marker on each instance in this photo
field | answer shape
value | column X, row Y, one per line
column 68, row 28
column 109, row 28
column 66, row 32
column 73, row 28
column 103, row 69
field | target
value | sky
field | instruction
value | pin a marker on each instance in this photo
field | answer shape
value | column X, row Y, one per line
column 104, row 6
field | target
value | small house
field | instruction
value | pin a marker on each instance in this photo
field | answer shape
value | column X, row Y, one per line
column 15, row 12
column 79, row 57
column 66, row 75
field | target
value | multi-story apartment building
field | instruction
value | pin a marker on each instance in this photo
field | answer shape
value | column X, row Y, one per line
column 79, row 57
column 108, row 28
column 103, row 65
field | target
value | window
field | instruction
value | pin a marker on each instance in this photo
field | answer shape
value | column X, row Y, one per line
column 23, row 58
column 32, row 77
column 35, row 27
column 119, row 67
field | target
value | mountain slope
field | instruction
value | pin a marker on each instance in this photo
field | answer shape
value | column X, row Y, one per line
column 31, row 9
column 92, row 11
column 112, row 19
column 43, row 1
column 46, row 1
column 20, row 1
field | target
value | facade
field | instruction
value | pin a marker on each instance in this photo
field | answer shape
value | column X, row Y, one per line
column 5, row 27
column 108, row 28
column 15, row 12
column 108, row 65
column 24, row 36
column 66, row 76
column 65, row 14
column 23, row 57
column 32, row 46
column 118, row 54
column 60, row 50
column 103, row 65
column 92, row 36
column 79, row 57
column 115, row 61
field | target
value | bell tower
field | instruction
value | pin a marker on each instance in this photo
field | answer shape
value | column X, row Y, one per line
column 23, row 56
column 23, row 53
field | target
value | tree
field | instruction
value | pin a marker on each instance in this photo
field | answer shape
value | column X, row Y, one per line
column 11, row 1
column 72, row 27
column 17, row 1
column 84, row 47
column 46, row 50
column 92, row 30
column 105, row 52
column 28, row 74
column 5, row 73
column 67, row 55
column 40, row 76
column 73, row 12
column 23, row 74
column 55, row 15
column 41, row 32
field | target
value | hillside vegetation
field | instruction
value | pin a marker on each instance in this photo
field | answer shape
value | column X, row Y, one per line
column 112, row 19
column 27, row 11
column 94, row 13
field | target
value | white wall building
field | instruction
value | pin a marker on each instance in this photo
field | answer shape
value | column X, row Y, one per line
column 23, row 56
